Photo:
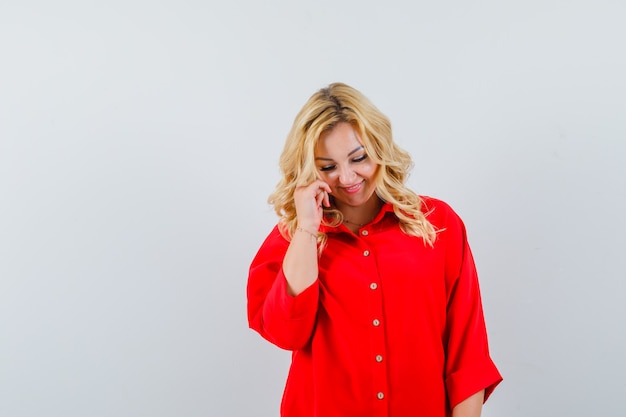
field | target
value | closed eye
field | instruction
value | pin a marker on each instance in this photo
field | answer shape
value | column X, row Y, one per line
column 360, row 158
column 327, row 168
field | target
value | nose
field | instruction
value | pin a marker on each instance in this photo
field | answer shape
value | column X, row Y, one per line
column 346, row 175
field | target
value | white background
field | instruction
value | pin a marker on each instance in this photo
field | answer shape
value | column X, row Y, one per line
column 139, row 141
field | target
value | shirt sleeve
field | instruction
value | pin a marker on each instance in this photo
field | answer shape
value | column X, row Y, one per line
column 469, row 367
column 285, row 320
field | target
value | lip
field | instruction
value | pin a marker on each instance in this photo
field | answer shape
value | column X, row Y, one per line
column 352, row 189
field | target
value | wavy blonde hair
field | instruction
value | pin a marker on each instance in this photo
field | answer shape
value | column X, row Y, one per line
column 326, row 108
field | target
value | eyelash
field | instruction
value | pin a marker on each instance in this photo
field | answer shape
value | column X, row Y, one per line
column 355, row 160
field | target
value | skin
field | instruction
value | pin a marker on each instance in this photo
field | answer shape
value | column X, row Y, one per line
column 347, row 173
column 346, row 168
column 471, row 406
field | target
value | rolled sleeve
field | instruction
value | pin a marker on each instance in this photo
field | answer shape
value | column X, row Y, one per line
column 288, row 320
column 474, row 377
column 469, row 367
column 285, row 320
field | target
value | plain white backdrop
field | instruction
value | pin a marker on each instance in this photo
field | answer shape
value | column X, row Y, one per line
column 139, row 141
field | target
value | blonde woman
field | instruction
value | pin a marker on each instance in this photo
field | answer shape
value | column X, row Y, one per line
column 372, row 287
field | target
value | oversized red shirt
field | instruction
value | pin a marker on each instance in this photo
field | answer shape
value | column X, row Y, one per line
column 391, row 327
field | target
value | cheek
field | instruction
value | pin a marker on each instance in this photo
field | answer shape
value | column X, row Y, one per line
column 370, row 171
column 328, row 178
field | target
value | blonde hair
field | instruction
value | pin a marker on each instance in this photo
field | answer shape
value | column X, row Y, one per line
column 326, row 108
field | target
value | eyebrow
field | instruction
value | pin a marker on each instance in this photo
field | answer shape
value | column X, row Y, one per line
column 355, row 150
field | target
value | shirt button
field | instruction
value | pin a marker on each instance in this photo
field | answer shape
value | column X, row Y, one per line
column 379, row 358
column 380, row 395
column 373, row 286
column 376, row 322
column 366, row 253
column 365, row 233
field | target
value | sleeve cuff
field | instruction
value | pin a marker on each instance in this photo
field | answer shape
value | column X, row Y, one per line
column 466, row 382
column 295, row 307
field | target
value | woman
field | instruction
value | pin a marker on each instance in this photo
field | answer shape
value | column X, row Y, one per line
column 372, row 287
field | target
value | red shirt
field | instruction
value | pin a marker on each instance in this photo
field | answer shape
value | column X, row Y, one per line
column 391, row 327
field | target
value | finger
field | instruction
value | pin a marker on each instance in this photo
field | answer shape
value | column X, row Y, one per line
column 322, row 188
column 320, row 198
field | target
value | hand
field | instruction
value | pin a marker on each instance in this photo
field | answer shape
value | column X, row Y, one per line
column 308, row 201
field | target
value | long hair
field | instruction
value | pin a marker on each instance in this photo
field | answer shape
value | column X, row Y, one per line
column 326, row 108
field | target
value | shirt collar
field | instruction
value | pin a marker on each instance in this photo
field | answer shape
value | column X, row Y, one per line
column 386, row 208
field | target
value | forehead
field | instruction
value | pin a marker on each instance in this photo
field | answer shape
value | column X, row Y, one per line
column 338, row 141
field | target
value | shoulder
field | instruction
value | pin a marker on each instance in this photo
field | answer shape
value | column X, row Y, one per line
column 274, row 244
column 430, row 204
column 275, row 237
column 435, row 207
column 440, row 214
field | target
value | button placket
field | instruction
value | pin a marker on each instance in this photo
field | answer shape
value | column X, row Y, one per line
column 378, row 351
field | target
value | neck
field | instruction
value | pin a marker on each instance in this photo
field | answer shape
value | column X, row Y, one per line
column 363, row 214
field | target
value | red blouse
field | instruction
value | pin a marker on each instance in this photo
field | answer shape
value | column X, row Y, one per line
column 392, row 327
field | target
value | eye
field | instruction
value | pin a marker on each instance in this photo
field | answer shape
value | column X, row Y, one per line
column 327, row 168
column 360, row 158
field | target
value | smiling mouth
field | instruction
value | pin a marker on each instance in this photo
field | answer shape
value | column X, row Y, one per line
column 353, row 188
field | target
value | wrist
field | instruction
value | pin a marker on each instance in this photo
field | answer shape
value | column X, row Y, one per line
column 307, row 231
column 312, row 227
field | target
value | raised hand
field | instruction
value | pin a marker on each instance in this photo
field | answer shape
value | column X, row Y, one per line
column 309, row 201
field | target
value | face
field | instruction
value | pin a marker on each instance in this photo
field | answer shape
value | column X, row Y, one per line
column 345, row 166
